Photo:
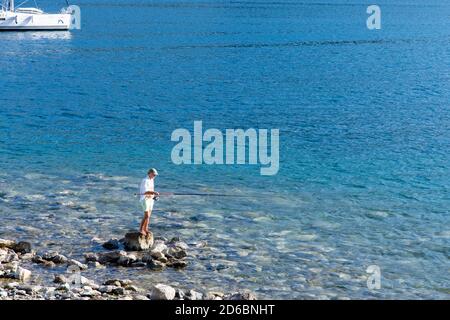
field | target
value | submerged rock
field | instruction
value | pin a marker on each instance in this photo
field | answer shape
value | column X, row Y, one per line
column 73, row 262
column 112, row 244
column 91, row 257
column 54, row 257
column 111, row 257
column 134, row 241
column 22, row 247
column 162, row 292
column 246, row 295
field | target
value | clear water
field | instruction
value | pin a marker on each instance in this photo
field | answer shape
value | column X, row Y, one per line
column 364, row 119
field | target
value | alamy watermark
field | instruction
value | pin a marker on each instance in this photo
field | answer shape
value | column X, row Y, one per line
column 75, row 12
column 236, row 146
column 374, row 279
column 373, row 22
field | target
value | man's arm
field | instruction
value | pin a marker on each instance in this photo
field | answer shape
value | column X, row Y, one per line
column 151, row 193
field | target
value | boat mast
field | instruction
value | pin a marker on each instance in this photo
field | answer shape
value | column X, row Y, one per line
column 11, row 5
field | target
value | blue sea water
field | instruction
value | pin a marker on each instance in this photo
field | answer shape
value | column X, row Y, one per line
column 364, row 120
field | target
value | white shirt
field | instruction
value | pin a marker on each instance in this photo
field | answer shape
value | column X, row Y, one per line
column 147, row 184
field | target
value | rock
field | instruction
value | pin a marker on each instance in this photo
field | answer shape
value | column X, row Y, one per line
column 174, row 239
column 8, row 255
column 22, row 274
column 20, row 293
column 49, row 264
column 73, row 262
column 132, row 288
column 30, row 289
column 127, row 260
column 111, row 257
column 91, row 257
column 246, row 295
column 3, row 255
column 97, row 240
column 6, row 243
column 118, row 282
column 181, row 245
column 162, row 292
column 89, row 292
column 88, row 282
column 138, row 264
column 157, row 255
column 214, row 295
column 118, row 291
column 194, row 295
column 38, row 259
column 200, row 244
column 134, row 241
column 22, row 247
column 140, row 297
column 158, row 247
column 59, row 278
column 113, row 282
column 176, row 252
column 180, row 294
column 12, row 285
column 106, row 289
column 95, row 264
column 111, row 244
column 156, row 265
column 64, row 287
column 3, row 294
column 54, row 257
column 177, row 264
column 27, row 256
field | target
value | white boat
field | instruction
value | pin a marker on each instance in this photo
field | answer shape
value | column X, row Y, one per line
column 12, row 18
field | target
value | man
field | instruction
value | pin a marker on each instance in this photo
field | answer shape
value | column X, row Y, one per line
column 147, row 193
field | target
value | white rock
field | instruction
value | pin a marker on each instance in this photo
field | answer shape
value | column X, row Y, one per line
column 162, row 292
column 158, row 246
column 22, row 274
column 194, row 295
column 73, row 262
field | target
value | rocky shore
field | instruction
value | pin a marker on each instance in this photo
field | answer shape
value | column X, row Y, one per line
column 20, row 267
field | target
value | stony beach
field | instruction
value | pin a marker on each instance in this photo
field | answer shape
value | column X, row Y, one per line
column 21, row 270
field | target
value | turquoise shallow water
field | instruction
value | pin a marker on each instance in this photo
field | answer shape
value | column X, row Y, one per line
column 364, row 121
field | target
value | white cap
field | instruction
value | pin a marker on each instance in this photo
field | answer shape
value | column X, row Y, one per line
column 155, row 172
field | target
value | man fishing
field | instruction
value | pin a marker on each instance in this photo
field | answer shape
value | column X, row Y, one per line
column 147, row 194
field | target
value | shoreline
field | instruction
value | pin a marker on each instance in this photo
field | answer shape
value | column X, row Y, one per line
column 22, row 270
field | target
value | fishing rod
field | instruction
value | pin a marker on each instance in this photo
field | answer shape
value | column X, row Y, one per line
column 196, row 194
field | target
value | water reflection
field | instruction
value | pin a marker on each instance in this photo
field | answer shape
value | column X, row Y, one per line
column 35, row 35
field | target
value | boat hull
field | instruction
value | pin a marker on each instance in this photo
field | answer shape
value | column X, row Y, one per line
column 16, row 21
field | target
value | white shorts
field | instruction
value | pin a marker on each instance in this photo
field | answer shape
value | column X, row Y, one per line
column 147, row 204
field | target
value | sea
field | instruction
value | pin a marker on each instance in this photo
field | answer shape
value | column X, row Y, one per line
column 364, row 139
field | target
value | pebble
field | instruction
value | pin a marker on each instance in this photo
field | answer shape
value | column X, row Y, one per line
column 162, row 292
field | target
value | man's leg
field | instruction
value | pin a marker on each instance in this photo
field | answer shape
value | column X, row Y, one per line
column 147, row 221
column 143, row 227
